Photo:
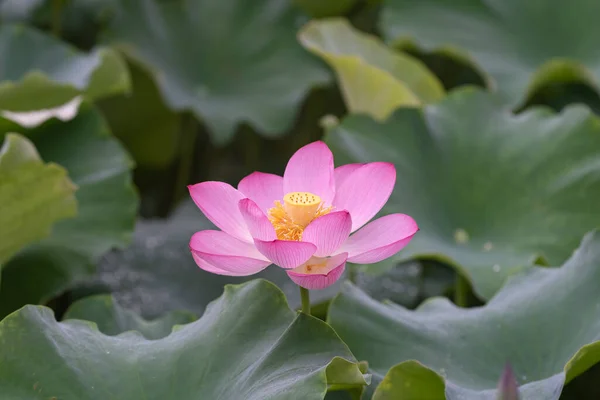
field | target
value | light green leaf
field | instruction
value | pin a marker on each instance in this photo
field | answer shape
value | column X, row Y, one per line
column 248, row 67
column 248, row 345
column 112, row 319
column 107, row 205
column 410, row 380
column 33, row 195
column 157, row 273
column 374, row 79
column 491, row 192
column 545, row 322
column 521, row 45
column 43, row 72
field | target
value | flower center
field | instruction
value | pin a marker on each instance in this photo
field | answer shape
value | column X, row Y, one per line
column 297, row 211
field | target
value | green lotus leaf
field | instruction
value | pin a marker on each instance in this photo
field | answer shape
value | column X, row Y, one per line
column 374, row 79
column 33, row 195
column 545, row 322
column 107, row 205
column 492, row 192
column 112, row 319
column 228, row 62
column 248, row 345
column 519, row 45
column 43, row 72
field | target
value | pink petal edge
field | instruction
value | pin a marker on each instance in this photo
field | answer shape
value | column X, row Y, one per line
column 229, row 265
column 286, row 253
column 328, row 232
column 218, row 201
column 205, row 265
column 262, row 188
column 219, row 252
column 257, row 222
column 380, row 239
column 310, row 169
column 321, row 281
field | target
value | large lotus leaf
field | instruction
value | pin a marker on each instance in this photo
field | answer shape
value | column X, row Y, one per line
column 157, row 273
column 248, row 345
column 107, row 205
column 545, row 322
column 492, row 192
column 33, row 195
column 226, row 61
column 521, row 45
column 374, row 79
column 112, row 319
column 42, row 72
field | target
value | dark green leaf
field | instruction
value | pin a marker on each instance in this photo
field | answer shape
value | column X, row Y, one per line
column 248, row 345
column 228, row 62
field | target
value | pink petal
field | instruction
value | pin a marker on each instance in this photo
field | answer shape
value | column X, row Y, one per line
column 257, row 222
column 263, row 188
column 343, row 171
column 221, row 253
column 219, row 203
column 286, row 253
column 328, row 232
column 205, row 265
column 326, row 275
column 380, row 239
column 311, row 170
column 365, row 191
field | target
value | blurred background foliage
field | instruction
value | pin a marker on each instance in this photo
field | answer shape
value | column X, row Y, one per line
column 170, row 98
column 172, row 148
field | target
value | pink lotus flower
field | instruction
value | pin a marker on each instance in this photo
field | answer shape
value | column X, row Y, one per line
column 302, row 221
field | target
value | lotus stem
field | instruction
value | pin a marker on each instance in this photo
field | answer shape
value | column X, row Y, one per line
column 305, row 296
column 461, row 291
column 56, row 24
